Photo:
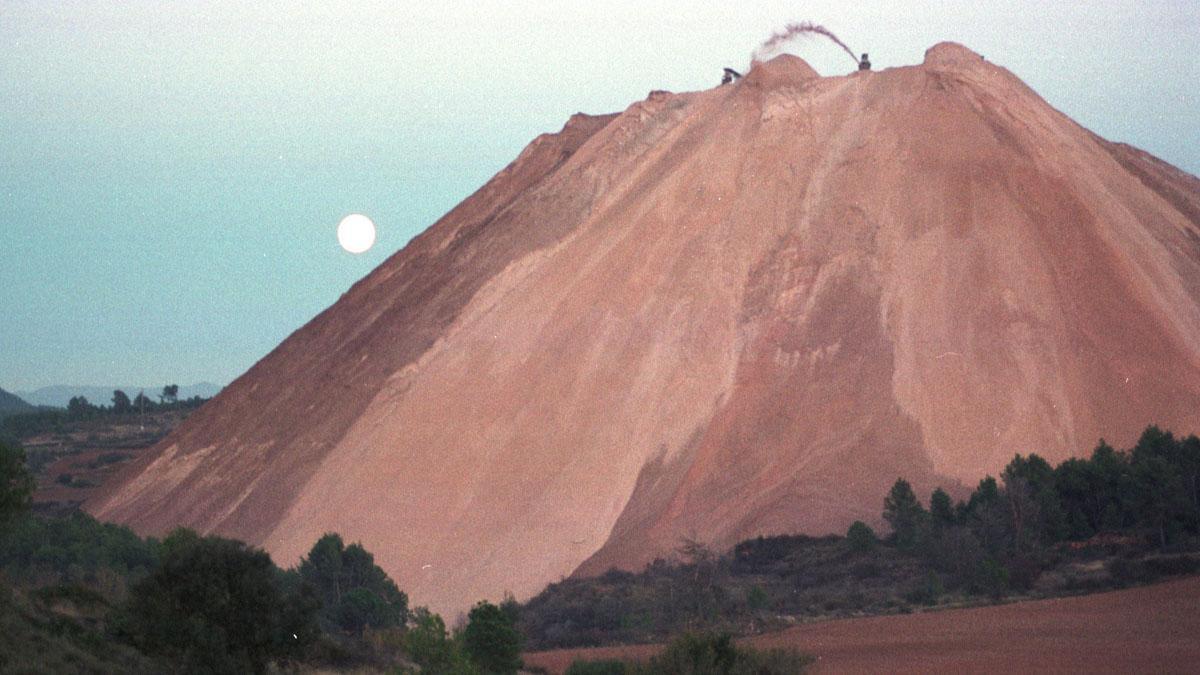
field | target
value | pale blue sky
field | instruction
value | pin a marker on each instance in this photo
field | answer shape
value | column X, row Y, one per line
column 172, row 173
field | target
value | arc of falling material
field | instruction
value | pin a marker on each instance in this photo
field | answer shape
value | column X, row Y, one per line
column 795, row 30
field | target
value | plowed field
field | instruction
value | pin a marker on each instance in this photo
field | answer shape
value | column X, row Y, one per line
column 1149, row 629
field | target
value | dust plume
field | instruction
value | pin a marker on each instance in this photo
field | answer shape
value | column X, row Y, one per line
column 795, row 30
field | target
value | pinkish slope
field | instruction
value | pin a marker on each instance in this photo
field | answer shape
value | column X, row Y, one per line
column 724, row 313
column 236, row 465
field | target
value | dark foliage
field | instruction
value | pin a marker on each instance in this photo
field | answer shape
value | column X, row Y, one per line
column 104, row 459
column 79, row 409
column 601, row 667
column 762, row 552
column 432, row 648
column 60, row 629
column 75, row 549
column 860, row 537
column 95, row 597
column 1003, row 538
column 491, row 639
column 1005, row 534
column 355, row 593
column 121, row 403
column 941, row 509
column 751, row 586
column 703, row 654
column 16, row 485
column 213, row 605
column 905, row 515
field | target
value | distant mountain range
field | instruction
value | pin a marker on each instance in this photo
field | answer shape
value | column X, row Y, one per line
column 58, row 395
column 10, row 404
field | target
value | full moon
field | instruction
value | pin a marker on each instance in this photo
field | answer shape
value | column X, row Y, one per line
column 356, row 233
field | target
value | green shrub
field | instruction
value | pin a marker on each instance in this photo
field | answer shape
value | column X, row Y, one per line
column 16, row 484
column 757, row 598
column 428, row 643
column 860, row 537
column 699, row 653
column 866, row 570
column 355, row 593
column 68, row 480
column 603, row 667
column 34, row 638
column 927, row 591
column 1173, row 565
column 50, row 550
column 993, row 578
column 491, row 639
column 212, row 604
column 79, row 595
column 716, row 654
column 904, row 513
column 108, row 458
column 1127, row 572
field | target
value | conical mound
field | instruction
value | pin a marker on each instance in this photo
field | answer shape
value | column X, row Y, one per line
column 719, row 314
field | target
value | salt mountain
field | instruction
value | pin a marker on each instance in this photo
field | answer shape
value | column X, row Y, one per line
column 717, row 314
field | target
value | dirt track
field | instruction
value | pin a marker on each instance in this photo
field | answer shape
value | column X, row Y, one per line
column 1150, row 629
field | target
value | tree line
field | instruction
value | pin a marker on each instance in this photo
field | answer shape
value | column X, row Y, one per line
column 80, row 409
column 1003, row 533
column 187, row 597
column 168, row 399
column 1103, row 521
column 216, row 605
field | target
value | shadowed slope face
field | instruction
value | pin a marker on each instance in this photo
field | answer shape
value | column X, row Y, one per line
column 11, row 404
column 719, row 314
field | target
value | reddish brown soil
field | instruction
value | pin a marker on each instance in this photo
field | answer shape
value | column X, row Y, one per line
column 1149, row 629
column 717, row 314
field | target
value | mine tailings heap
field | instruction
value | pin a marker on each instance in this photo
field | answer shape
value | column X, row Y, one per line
column 717, row 314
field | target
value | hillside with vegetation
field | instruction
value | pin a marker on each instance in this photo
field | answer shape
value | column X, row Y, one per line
column 59, row 395
column 72, row 451
column 78, row 595
column 96, row 597
column 1110, row 520
column 11, row 404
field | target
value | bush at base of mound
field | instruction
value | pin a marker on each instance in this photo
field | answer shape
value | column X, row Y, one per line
column 703, row 654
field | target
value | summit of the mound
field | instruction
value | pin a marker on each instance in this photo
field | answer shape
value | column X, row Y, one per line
column 951, row 54
column 783, row 70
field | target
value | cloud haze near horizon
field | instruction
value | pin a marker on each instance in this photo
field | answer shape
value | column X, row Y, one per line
column 172, row 174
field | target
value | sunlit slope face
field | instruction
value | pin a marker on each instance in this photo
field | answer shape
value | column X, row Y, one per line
column 733, row 312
